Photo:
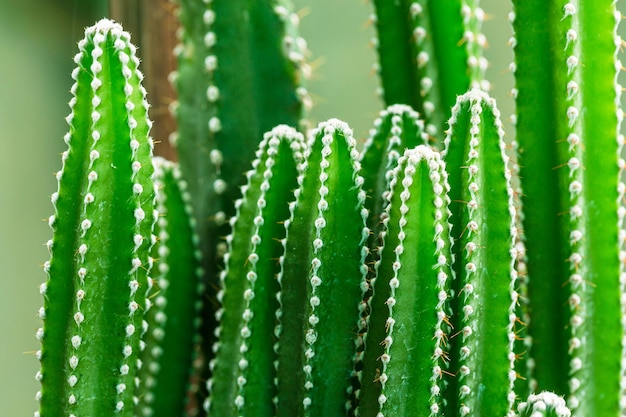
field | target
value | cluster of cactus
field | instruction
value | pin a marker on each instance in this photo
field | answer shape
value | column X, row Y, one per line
column 438, row 271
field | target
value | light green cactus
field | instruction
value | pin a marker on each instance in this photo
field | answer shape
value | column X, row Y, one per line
column 430, row 274
column 572, row 197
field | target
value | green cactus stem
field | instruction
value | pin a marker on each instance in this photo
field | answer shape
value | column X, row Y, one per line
column 397, row 128
column 429, row 52
column 243, row 371
column 95, row 295
column 322, row 278
column 240, row 68
column 406, row 345
column 173, row 320
column 545, row 404
column 483, row 218
column 569, row 146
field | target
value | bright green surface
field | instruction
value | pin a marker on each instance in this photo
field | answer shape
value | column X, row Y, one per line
column 38, row 39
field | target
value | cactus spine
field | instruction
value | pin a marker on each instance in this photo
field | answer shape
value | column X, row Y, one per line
column 572, row 196
column 95, row 294
column 429, row 52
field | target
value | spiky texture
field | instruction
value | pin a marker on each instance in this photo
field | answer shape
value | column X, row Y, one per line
column 484, row 231
column 408, row 328
column 95, row 295
column 322, row 278
column 570, row 168
column 243, row 372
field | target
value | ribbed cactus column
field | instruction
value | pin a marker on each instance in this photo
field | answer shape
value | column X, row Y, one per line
column 172, row 340
column 322, row 278
column 94, row 298
column 485, row 234
column 568, row 132
column 243, row 371
column 406, row 345
column 397, row 128
column 429, row 51
column 240, row 70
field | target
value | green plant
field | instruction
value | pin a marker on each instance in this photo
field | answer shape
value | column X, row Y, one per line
column 405, row 279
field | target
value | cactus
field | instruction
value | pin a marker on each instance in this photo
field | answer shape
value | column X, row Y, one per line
column 173, row 320
column 483, row 226
column 95, row 295
column 429, row 52
column 572, row 194
column 405, row 279
column 243, row 373
column 408, row 328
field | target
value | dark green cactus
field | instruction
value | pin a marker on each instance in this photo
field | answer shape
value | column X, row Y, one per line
column 172, row 339
column 95, row 295
column 394, row 282
column 240, row 70
column 408, row 328
column 429, row 52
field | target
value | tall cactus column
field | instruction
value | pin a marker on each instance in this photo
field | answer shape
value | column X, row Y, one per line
column 429, row 52
column 568, row 133
column 406, row 345
column 228, row 99
column 95, row 294
column 322, row 278
column 483, row 218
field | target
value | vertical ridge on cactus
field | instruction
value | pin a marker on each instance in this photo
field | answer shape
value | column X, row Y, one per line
column 429, row 52
column 397, row 128
column 571, row 197
column 322, row 278
column 483, row 218
column 94, row 297
column 172, row 339
column 242, row 382
column 228, row 99
column 407, row 340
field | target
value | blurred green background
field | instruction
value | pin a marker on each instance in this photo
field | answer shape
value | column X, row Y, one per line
column 37, row 42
